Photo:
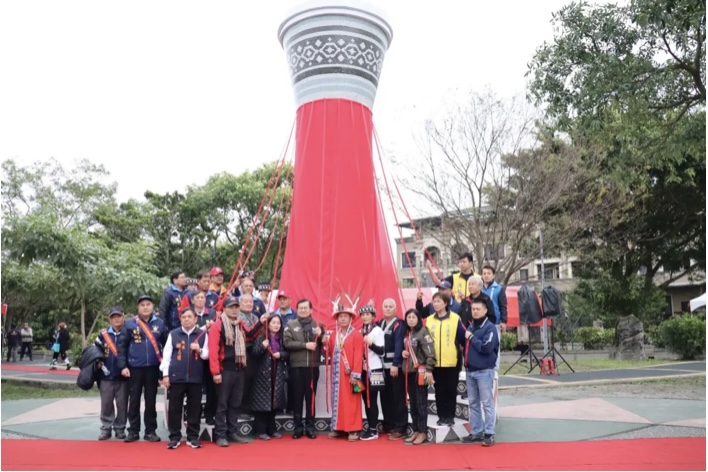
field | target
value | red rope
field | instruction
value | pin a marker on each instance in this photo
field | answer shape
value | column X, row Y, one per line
column 265, row 214
column 282, row 237
column 368, row 382
column 400, row 232
column 415, row 230
column 250, row 230
column 278, row 215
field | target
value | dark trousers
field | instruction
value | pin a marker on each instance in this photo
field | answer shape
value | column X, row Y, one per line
column 143, row 379
column 372, row 409
column 210, row 390
column 229, row 394
column 56, row 355
column 26, row 347
column 446, row 379
column 303, row 386
column 393, row 403
column 264, row 422
column 12, row 353
column 175, row 395
column 419, row 403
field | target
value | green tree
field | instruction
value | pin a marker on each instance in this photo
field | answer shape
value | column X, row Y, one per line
column 630, row 79
column 53, row 251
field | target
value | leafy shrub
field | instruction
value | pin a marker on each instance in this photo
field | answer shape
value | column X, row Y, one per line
column 685, row 336
column 595, row 338
column 508, row 341
column 653, row 336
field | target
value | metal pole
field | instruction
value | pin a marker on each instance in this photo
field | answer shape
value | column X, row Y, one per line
column 544, row 327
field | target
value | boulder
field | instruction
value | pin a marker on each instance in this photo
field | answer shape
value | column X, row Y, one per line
column 629, row 340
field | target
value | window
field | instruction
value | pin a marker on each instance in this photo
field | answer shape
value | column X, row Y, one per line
column 492, row 253
column 524, row 275
column 404, row 260
column 552, row 271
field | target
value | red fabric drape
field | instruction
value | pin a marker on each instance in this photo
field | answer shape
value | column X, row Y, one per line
column 337, row 239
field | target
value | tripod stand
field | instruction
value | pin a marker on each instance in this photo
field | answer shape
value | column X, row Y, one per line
column 532, row 358
column 553, row 352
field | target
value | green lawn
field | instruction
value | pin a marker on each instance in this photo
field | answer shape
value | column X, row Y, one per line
column 14, row 391
column 583, row 365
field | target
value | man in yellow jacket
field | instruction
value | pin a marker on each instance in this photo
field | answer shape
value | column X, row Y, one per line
column 448, row 335
column 458, row 280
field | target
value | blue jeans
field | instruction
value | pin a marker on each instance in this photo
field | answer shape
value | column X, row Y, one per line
column 480, row 394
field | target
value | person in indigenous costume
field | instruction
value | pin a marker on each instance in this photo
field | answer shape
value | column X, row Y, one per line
column 345, row 346
column 420, row 361
column 373, row 369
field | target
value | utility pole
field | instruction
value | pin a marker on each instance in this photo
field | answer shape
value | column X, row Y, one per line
column 544, row 326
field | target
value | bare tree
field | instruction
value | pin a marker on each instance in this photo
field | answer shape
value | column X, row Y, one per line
column 495, row 179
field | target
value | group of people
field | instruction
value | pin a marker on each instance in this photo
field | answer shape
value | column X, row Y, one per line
column 19, row 339
column 251, row 362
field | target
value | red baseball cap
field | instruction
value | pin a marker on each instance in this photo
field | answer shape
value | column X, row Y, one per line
column 282, row 293
column 216, row 271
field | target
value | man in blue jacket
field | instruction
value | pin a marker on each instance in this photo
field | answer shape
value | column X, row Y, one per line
column 146, row 336
column 497, row 294
column 114, row 384
column 172, row 299
column 482, row 343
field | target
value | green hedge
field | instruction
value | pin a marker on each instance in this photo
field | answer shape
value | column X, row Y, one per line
column 685, row 336
column 508, row 341
column 653, row 336
column 595, row 338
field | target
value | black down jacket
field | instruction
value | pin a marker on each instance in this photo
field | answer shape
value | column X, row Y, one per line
column 263, row 396
column 89, row 371
column 529, row 309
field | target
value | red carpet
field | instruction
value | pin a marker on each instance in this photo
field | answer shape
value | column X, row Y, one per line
column 61, row 370
column 328, row 454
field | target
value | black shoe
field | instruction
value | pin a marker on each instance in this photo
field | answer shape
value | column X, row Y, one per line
column 152, row 437
column 222, row 442
column 235, row 438
column 441, row 422
column 132, row 437
column 210, row 421
column 310, row 434
column 473, row 438
column 120, row 434
column 173, row 444
column 369, row 434
column 194, row 443
column 450, row 422
column 105, row 435
column 488, row 440
column 297, row 434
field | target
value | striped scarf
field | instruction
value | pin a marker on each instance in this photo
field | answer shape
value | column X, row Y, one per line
column 234, row 337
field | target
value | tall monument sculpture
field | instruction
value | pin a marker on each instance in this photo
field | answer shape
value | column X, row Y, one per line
column 337, row 239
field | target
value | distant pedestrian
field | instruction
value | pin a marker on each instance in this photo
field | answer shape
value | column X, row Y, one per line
column 14, row 340
column 60, row 346
column 27, row 338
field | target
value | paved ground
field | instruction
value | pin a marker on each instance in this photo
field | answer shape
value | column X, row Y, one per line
column 569, row 407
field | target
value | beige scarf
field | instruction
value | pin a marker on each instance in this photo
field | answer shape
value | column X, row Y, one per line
column 234, row 337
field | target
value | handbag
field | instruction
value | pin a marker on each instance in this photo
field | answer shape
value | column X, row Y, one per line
column 56, row 347
column 377, row 381
column 358, row 387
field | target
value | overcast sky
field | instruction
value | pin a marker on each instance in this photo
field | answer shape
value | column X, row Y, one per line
column 167, row 93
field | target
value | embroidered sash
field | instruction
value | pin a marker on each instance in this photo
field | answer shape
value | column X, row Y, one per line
column 109, row 342
column 151, row 337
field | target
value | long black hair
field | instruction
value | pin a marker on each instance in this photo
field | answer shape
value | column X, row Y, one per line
column 418, row 325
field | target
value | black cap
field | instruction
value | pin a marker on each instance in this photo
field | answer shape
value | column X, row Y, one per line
column 231, row 301
column 145, row 297
column 116, row 310
column 264, row 286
